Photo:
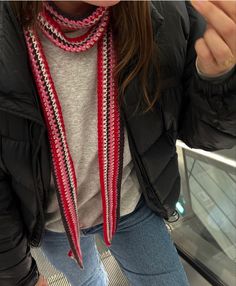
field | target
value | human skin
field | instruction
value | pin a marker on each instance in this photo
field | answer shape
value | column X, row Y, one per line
column 78, row 8
column 216, row 50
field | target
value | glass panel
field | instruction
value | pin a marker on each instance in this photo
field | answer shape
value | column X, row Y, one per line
column 206, row 231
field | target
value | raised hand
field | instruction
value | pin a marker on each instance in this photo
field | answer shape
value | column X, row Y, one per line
column 216, row 50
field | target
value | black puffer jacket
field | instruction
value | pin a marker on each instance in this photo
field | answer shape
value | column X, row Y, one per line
column 202, row 113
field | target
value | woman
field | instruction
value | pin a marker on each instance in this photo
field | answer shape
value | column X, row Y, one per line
column 93, row 95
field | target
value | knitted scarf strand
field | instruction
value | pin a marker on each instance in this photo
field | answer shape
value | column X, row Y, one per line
column 109, row 127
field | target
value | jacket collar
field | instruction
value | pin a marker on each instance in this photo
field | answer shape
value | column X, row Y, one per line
column 18, row 93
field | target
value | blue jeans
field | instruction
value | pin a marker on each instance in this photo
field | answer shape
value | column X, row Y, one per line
column 142, row 247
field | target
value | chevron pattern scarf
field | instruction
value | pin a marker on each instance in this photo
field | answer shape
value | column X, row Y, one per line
column 109, row 127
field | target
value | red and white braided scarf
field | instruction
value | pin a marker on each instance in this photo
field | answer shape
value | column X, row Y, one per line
column 109, row 127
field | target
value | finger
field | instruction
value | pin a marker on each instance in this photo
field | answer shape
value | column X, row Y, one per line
column 205, row 58
column 221, row 22
column 218, row 48
column 42, row 281
column 45, row 283
column 229, row 7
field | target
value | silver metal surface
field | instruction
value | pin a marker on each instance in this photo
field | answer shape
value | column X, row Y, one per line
column 183, row 170
column 194, row 277
column 55, row 278
column 217, row 157
column 116, row 277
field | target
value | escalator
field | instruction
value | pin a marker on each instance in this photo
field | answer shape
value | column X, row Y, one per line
column 205, row 234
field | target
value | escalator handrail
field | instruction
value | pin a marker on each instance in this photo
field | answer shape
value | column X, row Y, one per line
column 202, row 269
column 210, row 155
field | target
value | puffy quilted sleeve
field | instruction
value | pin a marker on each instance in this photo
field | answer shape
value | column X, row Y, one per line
column 208, row 114
column 17, row 267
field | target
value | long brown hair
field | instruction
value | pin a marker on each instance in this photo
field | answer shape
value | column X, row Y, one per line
column 136, row 49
